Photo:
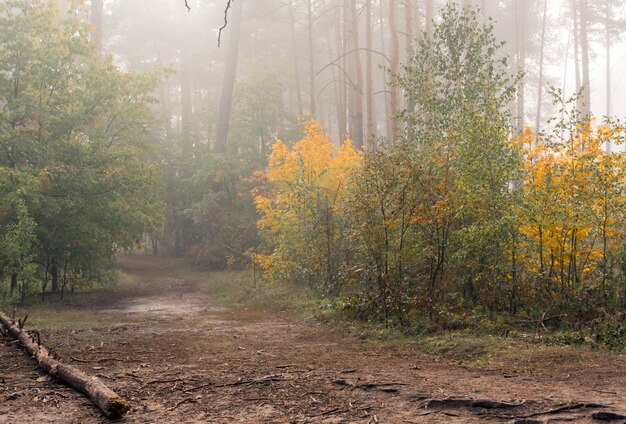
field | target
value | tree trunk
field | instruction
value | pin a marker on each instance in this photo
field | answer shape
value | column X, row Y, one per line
column 408, row 29
column 13, row 283
column 339, row 77
column 579, row 103
column 296, row 68
column 387, row 93
column 54, row 278
column 541, row 55
column 230, row 72
column 584, row 38
column 520, row 6
column 107, row 400
column 607, row 24
column 395, row 66
column 369, row 72
column 357, row 113
column 186, row 103
column 311, row 57
column 97, row 21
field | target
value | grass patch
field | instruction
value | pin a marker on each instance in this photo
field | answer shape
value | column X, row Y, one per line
column 239, row 288
column 73, row 311
column 59, row 317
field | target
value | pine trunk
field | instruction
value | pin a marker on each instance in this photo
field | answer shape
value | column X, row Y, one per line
column 230, row 72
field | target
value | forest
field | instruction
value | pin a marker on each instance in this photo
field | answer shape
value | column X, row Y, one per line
column 418, row 163
column 440, row 182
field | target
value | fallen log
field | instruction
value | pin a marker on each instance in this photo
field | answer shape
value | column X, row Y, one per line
column 106, row 399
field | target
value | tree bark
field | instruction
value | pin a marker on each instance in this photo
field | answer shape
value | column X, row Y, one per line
column 357, row 113
column 54, row 278
column 520, row 13
column 576, row 53
column 584, row 41
column 339, row 76
column 311, row 57
column 387, row 92
column 296, row 68
column 186, row 102
column 395, row 66
column 107, row 400
column 607, row 24
column 369, row 72
column 408, row 29
column 541, row 55
column 13, row 283
column 230, row 72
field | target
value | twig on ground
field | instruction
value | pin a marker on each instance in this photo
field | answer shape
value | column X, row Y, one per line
column 569, row 407
column 264, row 379
column 186, row 400
column 384, row 387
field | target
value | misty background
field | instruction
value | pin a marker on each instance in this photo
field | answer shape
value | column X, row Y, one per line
column 297, row 48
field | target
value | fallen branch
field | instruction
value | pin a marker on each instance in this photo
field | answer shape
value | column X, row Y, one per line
column 262, row 380
column 568, row 407
column 187, row 400
column 108, row 401
column 384, row 387
column 98, row 360
column 471, row 403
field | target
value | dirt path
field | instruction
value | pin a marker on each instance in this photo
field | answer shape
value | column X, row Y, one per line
column 180, row 356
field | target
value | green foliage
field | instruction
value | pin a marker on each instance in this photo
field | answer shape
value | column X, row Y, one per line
column 74, row 138
column 258, row 114
column 459, row 224
column 433, row 215
column 609, row 331
column 223, row 211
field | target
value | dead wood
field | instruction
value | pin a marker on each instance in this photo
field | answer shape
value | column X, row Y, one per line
column 164, row 381
column 607, row 416
column 186, row 400
column 262, row 380
column 97, row 360
column 333, row 411
column 265, row 379
column 452, row 402
column 568, row 407
column 108, row 401
column 383, row 387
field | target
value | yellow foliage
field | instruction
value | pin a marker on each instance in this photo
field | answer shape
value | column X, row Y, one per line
column 573, row 197
column 308, row 181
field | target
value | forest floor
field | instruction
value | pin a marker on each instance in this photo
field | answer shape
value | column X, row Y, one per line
column 181, row 356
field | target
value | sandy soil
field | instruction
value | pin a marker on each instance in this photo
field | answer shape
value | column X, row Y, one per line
column 181, row 357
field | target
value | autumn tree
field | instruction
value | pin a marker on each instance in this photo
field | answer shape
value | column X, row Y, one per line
column 300, row 210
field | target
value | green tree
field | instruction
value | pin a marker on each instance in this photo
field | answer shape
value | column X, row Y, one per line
column 461, row 87
column 79, row 127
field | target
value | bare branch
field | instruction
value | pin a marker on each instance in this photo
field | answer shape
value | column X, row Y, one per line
column 219, row 35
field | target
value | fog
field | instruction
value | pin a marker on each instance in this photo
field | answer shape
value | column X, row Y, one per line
column 275, row 42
